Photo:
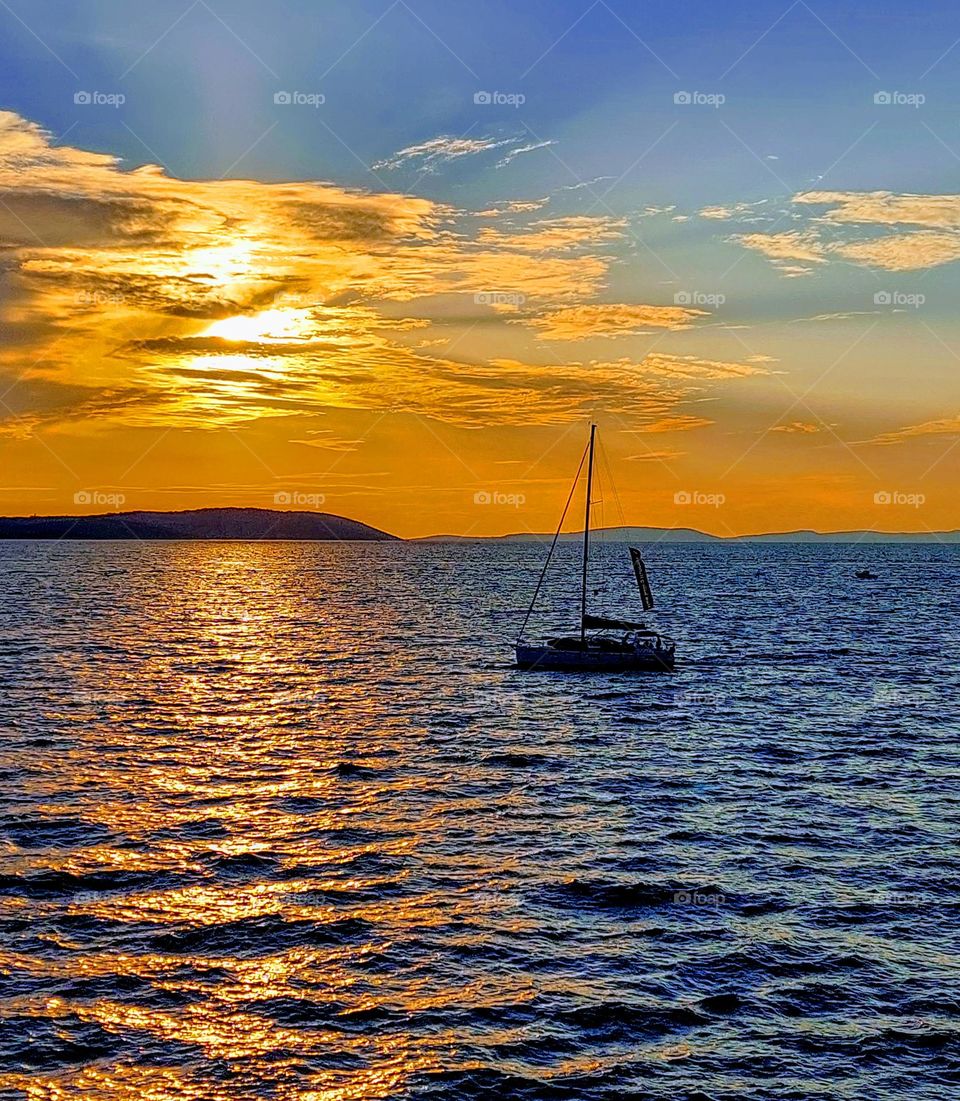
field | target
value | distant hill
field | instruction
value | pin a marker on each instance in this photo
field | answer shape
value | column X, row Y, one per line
column 265, row 523
column 691, row 535
column 201, row 523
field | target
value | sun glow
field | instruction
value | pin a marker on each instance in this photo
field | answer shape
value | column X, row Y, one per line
column 267, row 327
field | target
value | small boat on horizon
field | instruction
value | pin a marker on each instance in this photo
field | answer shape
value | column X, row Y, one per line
column 604, row 644
column 866, row 575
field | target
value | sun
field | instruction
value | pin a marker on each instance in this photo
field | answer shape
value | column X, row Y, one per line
column 267, row 327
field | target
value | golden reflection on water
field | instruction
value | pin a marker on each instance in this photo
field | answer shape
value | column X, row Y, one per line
column 223, row 745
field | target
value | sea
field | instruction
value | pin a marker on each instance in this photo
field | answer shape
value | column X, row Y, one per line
column 282, row 822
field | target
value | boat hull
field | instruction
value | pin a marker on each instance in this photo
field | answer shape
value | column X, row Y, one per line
column 549, row 659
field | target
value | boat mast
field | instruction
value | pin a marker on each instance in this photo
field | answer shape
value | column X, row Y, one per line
column 586, row 540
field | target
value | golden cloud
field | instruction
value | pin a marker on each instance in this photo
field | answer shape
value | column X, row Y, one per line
column 886, row 208
column 692, row 367
column 797, row 427
column 580, row 322
column 903, row 252
column 558, row 234
column 135, row 298
column 654, row 456
column 936, row 241
column 945, row 426
column 785, row 247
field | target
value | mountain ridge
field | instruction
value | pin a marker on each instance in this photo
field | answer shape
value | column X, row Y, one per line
column 693, row 535
column 195, row 524
column 233, row 523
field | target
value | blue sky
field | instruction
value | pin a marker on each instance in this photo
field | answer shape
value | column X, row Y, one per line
column 199, row 79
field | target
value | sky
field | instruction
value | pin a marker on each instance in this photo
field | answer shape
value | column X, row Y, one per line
column 391, row 259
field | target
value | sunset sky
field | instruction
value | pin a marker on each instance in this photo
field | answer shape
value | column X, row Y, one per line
column 390, row 260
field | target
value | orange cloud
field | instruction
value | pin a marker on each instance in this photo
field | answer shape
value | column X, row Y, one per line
column 558, row 234
column 140, row 300
column 579, row 322
column 797, row 427
column 945, row 426
column 692, row 367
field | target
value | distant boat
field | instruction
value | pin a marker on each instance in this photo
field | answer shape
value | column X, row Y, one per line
column 612, row 645
column 865, row 575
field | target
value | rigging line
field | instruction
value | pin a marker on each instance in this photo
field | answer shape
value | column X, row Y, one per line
column 613, row 485
column 609, row 538
column 556, row 536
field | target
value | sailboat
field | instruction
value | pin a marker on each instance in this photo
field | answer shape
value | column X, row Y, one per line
column 604, row 645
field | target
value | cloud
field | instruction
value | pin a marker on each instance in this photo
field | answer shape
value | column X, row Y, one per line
column 903, row 252
column 328, row 441
column 925, row 231
column 692, row 367
column 585, row 184
column 744, row 212
column 945, row 426
column 430, row 156
column 135, row 299
column 797, row 427
column 580, row 322
column 654, row 456
column 519, row 150
column 782, row 248
column 513, row 206
column 885, row 208
column 558, row 234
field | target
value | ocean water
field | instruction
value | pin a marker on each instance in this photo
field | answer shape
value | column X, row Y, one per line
column 280, row 821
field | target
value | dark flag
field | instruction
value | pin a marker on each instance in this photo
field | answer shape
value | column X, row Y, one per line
column 643, row 582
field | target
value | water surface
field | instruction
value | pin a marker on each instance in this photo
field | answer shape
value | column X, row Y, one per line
column 281, row 821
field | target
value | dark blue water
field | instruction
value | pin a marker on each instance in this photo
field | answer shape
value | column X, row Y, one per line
column 281, row 821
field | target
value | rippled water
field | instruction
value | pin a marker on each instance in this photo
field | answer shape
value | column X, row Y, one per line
column 281, row 821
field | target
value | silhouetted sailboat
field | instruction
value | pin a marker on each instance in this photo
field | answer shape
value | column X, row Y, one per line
column 613, row 645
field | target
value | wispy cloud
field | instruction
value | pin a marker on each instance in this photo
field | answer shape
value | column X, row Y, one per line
column 838, row 225
column 802, row 428
column 559, row 234
column 519, row 150
column 579, row 322
column 430, row 156
column 944, row 426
